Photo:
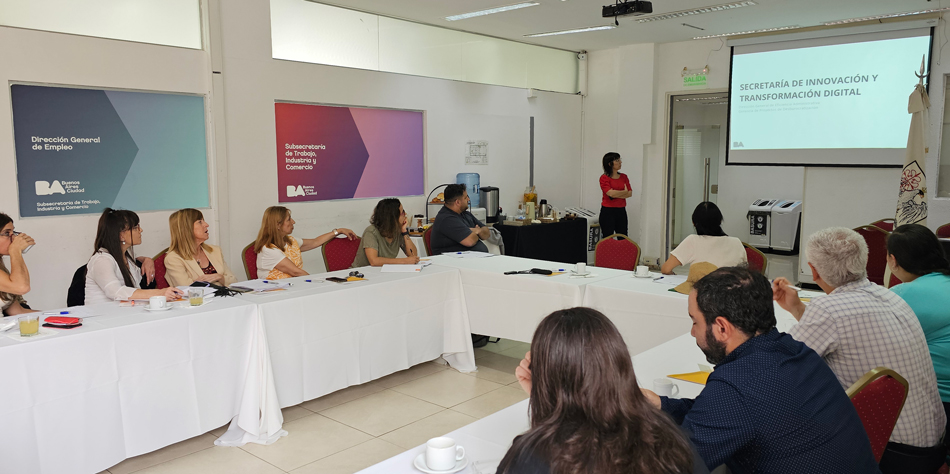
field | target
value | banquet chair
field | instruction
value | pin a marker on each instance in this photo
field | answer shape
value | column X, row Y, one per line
column 879, row 397
column 427, row 240
column 886, row 225
column 757, row 261
column 340, row 252
column 249, row 257
column 943, row 232
column 617, row 251
column 76, row 295
column 876, row 239
column 159, row 259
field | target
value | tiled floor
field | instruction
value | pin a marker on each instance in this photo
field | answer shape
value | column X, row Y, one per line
column 357, row 427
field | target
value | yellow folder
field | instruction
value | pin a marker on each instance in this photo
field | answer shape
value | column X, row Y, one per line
column 694, row 377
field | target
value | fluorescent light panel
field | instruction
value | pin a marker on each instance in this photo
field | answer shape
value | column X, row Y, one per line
column 763, row 30
column 492, row 10
column 885, row 16
column 577, row 30
column 697, row 11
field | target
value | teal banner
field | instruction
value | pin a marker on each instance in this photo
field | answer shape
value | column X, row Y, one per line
column 79, row 151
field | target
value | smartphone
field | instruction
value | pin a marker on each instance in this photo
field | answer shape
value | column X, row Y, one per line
column 337, row 279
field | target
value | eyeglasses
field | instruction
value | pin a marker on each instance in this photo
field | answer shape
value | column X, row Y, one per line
column 10, row 233
column 357, row 274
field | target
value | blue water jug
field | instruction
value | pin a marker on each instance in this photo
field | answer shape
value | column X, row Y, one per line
column 471, row 182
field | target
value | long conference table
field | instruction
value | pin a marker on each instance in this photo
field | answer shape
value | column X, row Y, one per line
column 130, row 381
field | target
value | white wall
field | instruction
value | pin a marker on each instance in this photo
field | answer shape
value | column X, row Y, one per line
column 65, row 243
column 455, row 113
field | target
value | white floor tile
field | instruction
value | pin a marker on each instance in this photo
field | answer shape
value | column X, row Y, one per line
column 382, row 412
column 354, row 459
column 342, row 396
column 493, row 375
column 311, row 438
column 165, row 454
column 447, row 388
column 414, row 434
column 410, row 374
column 216, row 460
column 491, row 402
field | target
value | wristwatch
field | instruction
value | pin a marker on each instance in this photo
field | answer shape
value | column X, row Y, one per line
column 336, row 232
column 405, row 233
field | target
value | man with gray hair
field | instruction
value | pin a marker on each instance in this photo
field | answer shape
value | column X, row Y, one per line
column 860, row 326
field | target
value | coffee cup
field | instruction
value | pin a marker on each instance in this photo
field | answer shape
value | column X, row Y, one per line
column 580, row 268
column 665, row 387
column 643, row 271
column 442, row 453
column 156, row 302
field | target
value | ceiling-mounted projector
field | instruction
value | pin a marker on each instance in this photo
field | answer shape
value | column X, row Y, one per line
column 635, row 7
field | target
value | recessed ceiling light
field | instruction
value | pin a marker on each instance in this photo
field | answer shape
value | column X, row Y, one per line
column 882, row 17
column 697, row 11
column 763, row 30
column 577, row 30
column 491, row 10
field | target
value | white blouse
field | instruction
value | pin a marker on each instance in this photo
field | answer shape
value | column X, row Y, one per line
column 104, row 280
column 721, row 251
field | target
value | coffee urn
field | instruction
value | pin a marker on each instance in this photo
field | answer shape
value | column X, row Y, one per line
column 488, row 198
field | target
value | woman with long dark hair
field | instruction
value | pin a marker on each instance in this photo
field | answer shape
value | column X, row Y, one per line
column 387, row 234
column 587, row 412
column 15, row 282
column 112, row 273
column 615, row 187
column 916, row 257
column 709, row 244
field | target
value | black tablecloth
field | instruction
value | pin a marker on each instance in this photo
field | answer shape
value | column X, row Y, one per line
column 564, row 241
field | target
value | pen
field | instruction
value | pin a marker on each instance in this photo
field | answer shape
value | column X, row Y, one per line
column 309, row 281
column 54, row 313
column 791, row 286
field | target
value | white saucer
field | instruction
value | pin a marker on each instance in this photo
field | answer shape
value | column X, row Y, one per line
column 420, row 464
column 573, row 273
column 166, row 308
column 644, row 276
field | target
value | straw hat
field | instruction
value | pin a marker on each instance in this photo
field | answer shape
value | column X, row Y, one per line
column 696, row 272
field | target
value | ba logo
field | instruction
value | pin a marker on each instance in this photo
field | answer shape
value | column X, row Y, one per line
column 43, row 188
column 737, row 145
column 294, row 191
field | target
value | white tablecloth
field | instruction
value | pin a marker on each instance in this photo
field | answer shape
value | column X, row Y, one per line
column 129, row 382
column 421, row 247
column 511, row 306
column 326, row 336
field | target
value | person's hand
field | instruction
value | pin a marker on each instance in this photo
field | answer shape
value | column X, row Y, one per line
column 148, row 269
column 412, row 260
column 653, row 398
column 523, row 373
column 787, row 297
column 173, row 293
column 349, row 233
column 405, row 227
column 20, row 242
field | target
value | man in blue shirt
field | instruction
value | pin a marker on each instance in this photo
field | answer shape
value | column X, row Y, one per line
column 772, row 405
column 455, row 229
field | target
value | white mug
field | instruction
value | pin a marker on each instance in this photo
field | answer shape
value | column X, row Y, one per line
column 643, row 270
column 156, row 302
column 665, row 387
column 580, row 268
column 442, row 453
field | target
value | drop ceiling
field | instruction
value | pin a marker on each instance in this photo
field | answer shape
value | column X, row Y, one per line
column 556, row 15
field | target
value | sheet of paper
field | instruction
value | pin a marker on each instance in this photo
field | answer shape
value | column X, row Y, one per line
column 671, row 279
column 207, row 290
column 396, row 268
column 260, row 285
column 469, row 254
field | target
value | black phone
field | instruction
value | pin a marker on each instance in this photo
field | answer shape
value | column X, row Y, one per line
column 336, row 279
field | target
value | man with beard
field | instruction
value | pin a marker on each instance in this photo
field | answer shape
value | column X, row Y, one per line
column 772, row 405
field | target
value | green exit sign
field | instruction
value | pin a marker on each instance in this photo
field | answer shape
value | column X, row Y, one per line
column 694, row 80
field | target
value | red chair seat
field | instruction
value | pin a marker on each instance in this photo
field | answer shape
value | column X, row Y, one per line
column 879, row 397
column 757, row 261
column 340, row 252
column 943, row 231
column 621, row 254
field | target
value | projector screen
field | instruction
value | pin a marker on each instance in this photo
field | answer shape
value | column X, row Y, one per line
column 838, row 101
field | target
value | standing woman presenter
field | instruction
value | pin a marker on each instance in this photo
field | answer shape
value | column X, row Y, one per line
column 616, row 189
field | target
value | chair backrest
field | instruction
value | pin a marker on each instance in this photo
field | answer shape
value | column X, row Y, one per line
column 886, row 225
column 340, row 252
column 876, row 239
column 943, row 231
column 249, row 256
column 159, row 259
column 620, row 253
column 76, row 295
column 427, row 240
column 757, row 260
column 879, row 397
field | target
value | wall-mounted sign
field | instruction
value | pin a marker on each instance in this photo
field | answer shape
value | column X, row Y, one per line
column 79, row 151
column 694, row 81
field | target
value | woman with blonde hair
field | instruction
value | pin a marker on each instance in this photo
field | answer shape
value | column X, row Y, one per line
column 189, row 258
column 14, row 283
column 278, row 252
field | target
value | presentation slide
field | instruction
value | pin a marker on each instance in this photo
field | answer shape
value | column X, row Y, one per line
column 829, row 104
column 79, row 151
column 327, row 152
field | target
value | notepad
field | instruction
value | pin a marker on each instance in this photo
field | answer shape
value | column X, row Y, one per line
column 400, row 268
column 694, row 377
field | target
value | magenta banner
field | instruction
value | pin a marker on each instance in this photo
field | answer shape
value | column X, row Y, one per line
column 326, row 152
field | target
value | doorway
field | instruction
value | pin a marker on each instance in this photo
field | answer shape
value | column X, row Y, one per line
column 696, row 149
